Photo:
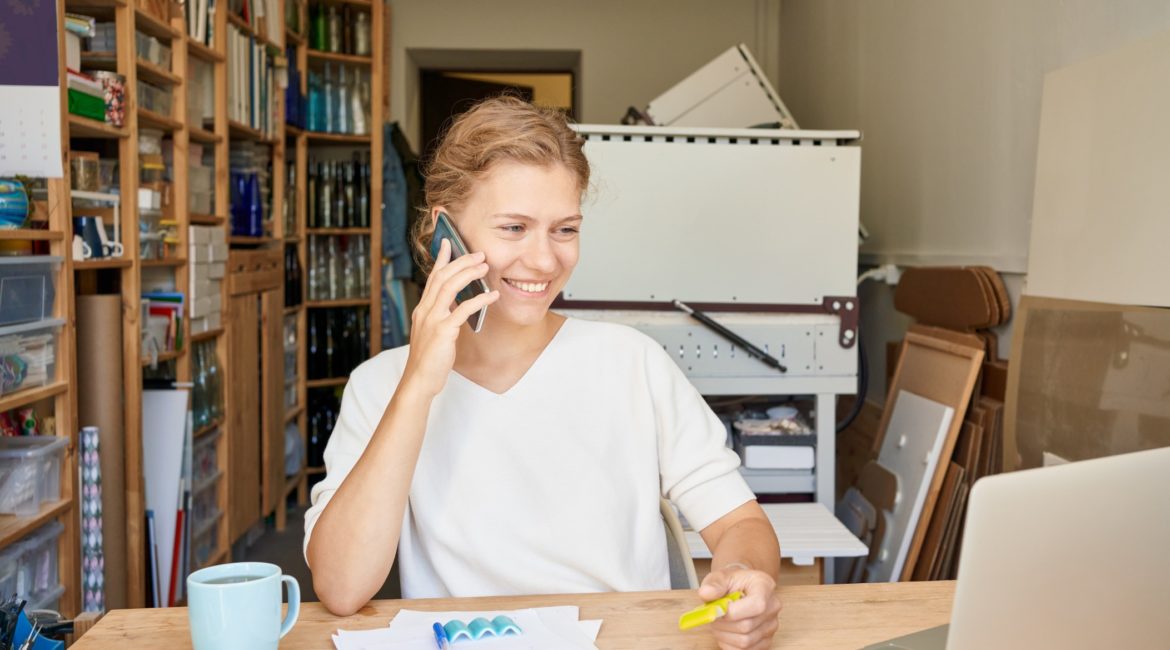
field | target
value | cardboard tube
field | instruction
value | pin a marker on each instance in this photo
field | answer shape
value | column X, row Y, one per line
column 99, row 404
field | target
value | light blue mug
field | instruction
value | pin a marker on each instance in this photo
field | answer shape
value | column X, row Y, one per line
column 237, row 606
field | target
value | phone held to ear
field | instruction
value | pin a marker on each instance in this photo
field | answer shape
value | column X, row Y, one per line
column 444, row 229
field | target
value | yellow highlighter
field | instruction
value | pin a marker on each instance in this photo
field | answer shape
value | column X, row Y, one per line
column 707, row 613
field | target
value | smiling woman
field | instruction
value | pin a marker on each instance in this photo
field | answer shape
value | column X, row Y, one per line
column 531, row 456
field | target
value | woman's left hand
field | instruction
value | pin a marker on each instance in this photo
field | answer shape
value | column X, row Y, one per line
column 751, row 621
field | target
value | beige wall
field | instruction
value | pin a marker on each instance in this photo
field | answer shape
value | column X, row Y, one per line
column 948, row 95
column 631, row 50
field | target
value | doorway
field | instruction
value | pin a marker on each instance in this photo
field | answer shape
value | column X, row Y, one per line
column 446, row 93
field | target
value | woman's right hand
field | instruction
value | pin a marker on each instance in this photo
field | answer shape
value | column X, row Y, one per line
column 435, row 326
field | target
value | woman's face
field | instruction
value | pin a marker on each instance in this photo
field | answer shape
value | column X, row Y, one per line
column 526, row 220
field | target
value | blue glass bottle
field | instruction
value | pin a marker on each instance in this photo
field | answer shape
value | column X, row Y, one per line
column 255, row 207
column 239, row 200
column 316, row 116
column 330, row 110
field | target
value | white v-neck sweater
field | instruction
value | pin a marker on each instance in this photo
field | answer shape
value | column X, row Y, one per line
column 552, row 486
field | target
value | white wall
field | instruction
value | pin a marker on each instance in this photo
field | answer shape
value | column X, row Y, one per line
column 631, row 51
column 947, row 94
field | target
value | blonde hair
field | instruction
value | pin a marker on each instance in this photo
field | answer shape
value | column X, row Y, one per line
column 499, row 129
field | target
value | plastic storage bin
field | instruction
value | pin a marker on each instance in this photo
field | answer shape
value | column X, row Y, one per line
column 8, row 561
column 203, row 501
column 50, row 600
column 28, row 355
column 204, row 539
column 30, row 472
column 204, row 459
column 27, row 287
column 36, row 570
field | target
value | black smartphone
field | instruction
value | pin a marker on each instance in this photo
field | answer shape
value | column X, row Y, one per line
column 444, row 229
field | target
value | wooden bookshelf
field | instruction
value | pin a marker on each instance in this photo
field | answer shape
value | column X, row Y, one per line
column 57, row 399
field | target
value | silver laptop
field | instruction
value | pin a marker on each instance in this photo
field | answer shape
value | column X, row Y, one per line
column 1072, row 556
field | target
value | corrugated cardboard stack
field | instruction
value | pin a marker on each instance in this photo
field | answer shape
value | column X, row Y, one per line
column 954, row 310
column 960, row 305
column 208, row 257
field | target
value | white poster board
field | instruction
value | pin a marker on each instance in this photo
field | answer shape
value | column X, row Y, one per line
column 164, row 429
column 1101, row 211
column 914, row 439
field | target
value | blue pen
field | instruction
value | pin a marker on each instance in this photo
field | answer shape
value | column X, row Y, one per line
column 441, row 637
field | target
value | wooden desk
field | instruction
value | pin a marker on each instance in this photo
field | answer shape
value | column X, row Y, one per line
column 820, row 617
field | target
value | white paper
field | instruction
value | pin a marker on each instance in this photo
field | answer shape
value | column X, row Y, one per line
column 164, row 428
column 30, row 131
column 543, row 628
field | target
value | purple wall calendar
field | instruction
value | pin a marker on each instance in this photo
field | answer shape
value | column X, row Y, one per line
column 30, row 99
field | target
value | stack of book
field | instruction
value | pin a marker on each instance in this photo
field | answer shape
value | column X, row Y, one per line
column 251, row 82
column 86, row 97
column 201, row 21
column 162, row 318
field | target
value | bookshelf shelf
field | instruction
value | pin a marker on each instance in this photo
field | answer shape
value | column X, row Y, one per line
column 202, row 52
column 241, row 240
column 242, row 131
column 32, row 395
column 206, row 429
column 337, row 231
column 152, row 73
column 150, row 119
column 147, row 23
column 91, row 265
column 326, row 304
column 170, row 262
column 29, row 234
column 13, row 527
column 169, row 355
column 198, row 219
column 83, row 127
column 318, row 55
column 326, row 383
column 243, row 25
column 206, row 336
column 90, row 5
column 202, row 135
column 339, row 138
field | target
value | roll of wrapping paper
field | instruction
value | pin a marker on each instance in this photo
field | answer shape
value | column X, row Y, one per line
column 99, row 404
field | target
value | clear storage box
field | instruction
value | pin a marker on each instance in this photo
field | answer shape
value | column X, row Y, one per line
column 203, row 540
column 50, row 601
column 204, row 459
column 8, row 560
column 27, row 287
column 28, row 355
column 204, row 504
column 30, row 472
column 36, row 566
